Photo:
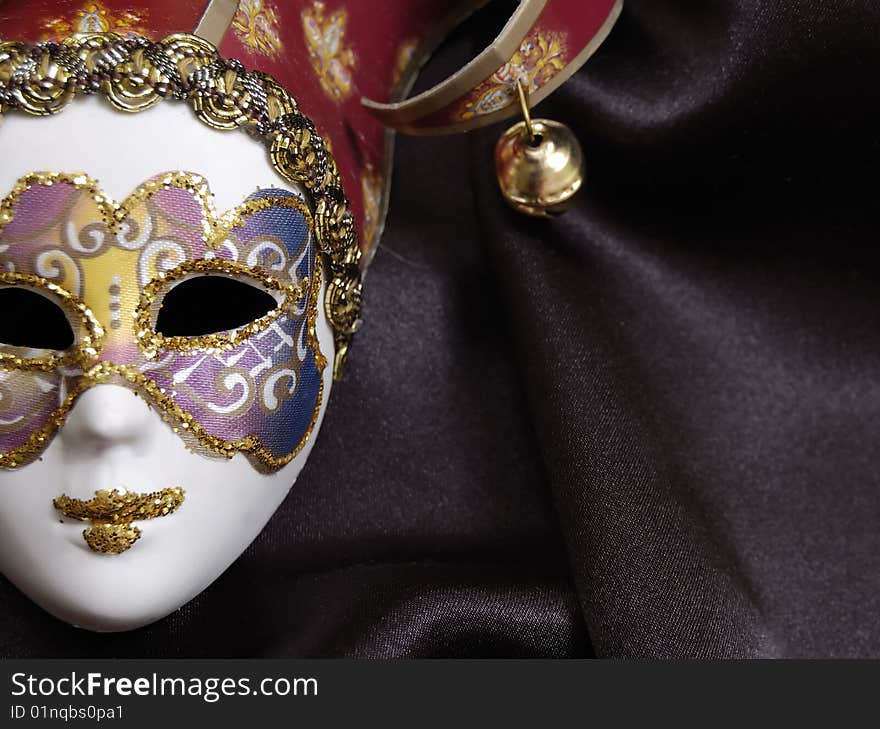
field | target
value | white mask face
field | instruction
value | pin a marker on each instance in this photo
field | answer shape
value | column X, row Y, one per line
column 152, row 416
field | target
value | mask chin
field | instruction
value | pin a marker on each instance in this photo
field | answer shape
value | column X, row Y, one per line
column 112, row 439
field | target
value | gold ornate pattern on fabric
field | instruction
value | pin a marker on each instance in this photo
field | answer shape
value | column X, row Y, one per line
column 256, row 25
column 543, row 44
column 95, row 18
column 112, row 513
column 406, row 55
column 84, row 364
column 331, row 59
column 134, row 73
column 371, row 191
column 539, row 58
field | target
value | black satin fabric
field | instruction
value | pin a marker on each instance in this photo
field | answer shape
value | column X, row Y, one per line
column 645, row 429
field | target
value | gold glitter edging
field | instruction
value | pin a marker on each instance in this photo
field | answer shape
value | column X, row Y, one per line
column 182, row 422
column 86, row 345
column 146, row 311
column 151, row 341
column 215, row 229
column 113, row 213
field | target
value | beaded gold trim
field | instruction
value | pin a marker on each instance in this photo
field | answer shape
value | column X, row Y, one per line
column 133, row 73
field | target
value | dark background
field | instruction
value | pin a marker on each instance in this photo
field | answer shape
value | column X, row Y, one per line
column 647, row 428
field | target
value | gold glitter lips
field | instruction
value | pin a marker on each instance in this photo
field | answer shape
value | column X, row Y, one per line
column 112, row 513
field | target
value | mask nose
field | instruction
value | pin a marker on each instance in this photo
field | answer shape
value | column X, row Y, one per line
column 105, row 416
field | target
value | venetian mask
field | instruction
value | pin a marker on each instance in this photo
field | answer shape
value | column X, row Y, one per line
column 181, row 258
column 170, row 326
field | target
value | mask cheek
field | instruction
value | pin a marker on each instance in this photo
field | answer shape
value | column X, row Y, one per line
column 262, row 396
column 28, row 401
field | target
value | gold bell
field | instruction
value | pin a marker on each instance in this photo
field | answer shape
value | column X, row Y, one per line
column 539, row 163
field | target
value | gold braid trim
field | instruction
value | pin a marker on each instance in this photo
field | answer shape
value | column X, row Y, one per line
column 133, row 73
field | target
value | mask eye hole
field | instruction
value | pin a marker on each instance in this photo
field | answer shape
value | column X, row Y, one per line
column 211, row 304
column 29, row 319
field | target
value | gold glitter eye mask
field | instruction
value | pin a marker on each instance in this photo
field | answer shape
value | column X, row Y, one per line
column 133, row 73
column 256, row 389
